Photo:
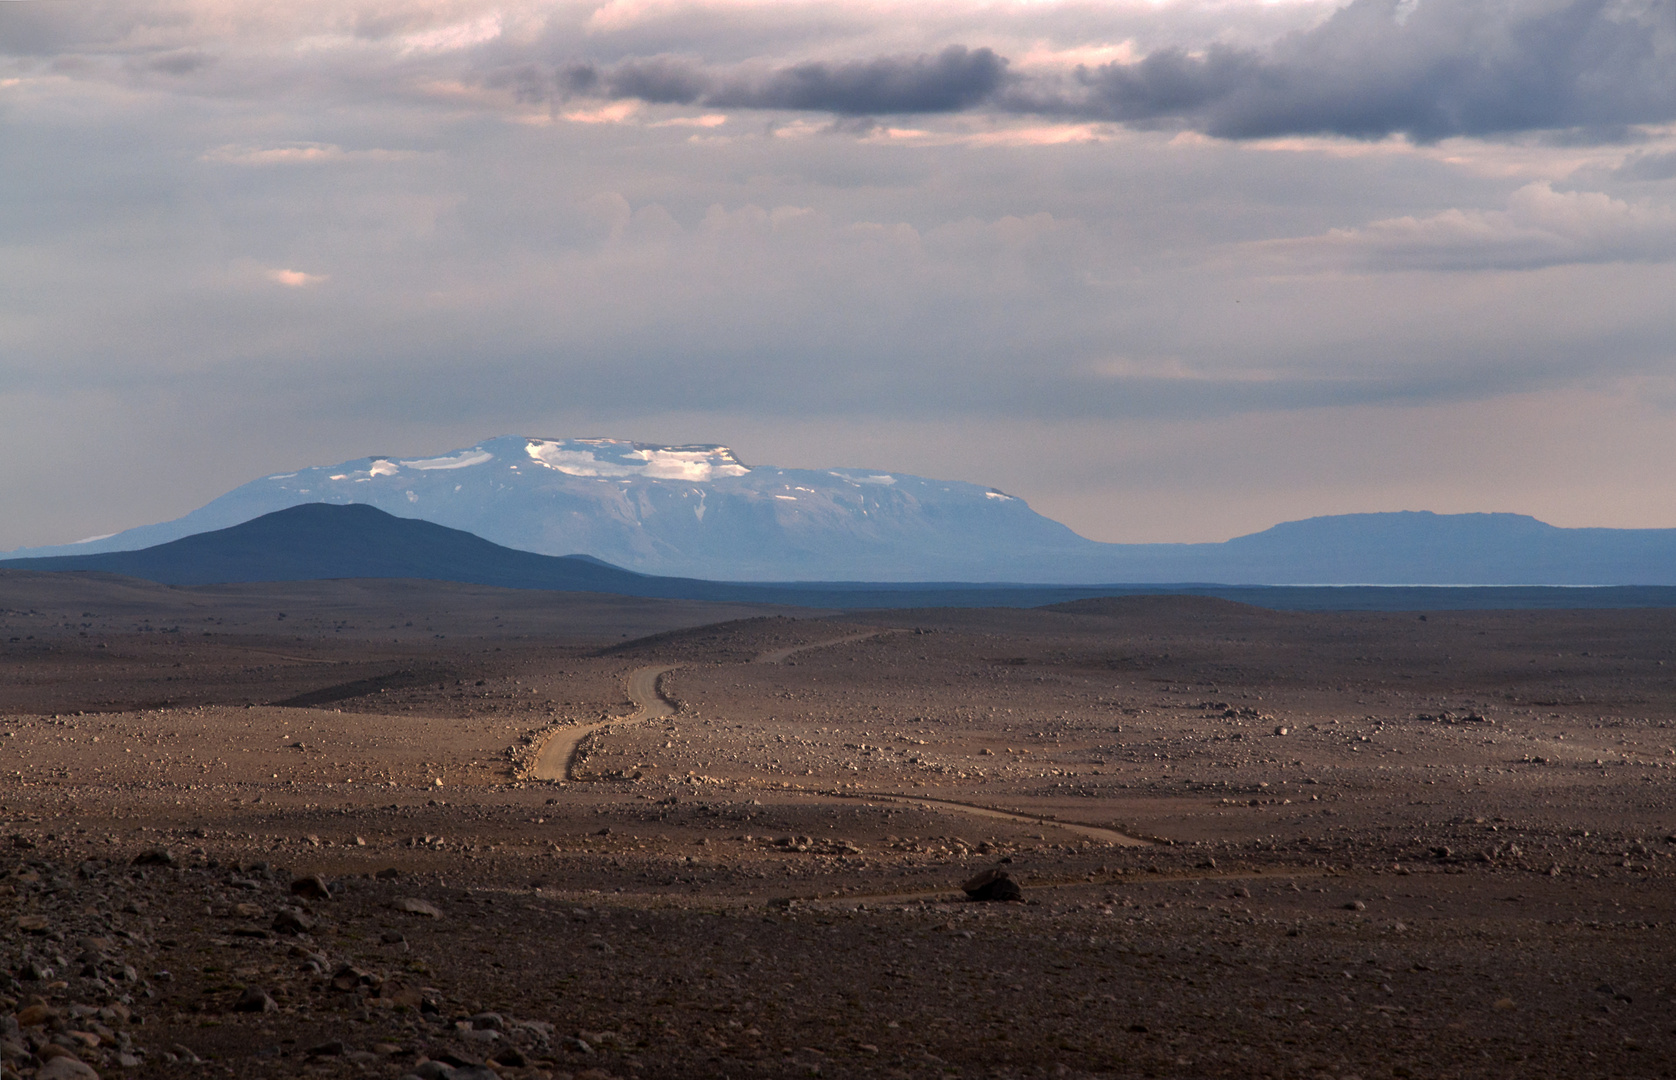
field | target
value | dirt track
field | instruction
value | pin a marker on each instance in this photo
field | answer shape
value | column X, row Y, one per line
column 558, row 750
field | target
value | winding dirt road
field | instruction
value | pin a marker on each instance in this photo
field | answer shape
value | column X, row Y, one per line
column 1093, row 832
column 557, row 759
column 558, row 753
column 776, row 656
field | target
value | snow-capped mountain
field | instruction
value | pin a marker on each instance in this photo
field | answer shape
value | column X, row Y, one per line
column 693, row 511
column 698, row 511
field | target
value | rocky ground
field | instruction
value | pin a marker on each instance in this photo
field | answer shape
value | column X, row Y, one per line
column 1249, row 843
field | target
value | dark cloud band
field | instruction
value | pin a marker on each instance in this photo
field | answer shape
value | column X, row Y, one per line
column 953, row 80
column 1429, row 69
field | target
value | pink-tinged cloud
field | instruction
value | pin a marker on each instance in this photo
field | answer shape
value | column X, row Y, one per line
column 295, row 279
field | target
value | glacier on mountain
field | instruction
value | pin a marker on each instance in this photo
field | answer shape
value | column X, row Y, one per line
column 693, row 511
column 698, row 511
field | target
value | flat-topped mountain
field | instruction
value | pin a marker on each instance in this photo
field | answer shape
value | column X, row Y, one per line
column 701, row 512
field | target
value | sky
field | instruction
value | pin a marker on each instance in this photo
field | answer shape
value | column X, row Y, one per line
column 1168, row 271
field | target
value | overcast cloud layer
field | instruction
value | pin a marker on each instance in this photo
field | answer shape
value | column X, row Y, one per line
column 1169, row 272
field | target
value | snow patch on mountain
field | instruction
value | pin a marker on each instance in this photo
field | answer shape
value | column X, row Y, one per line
column 465, row 459
column 609, row 457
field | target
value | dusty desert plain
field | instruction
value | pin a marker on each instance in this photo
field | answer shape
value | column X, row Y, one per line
column 403, row 828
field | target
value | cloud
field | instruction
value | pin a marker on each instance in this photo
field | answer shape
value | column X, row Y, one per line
column 1539, row 228
column 295, row 279
column 1425, row 69
column 298, row 154
column 1428, row 70
column 182, row 62
column 1648, row 166
column 953, row 80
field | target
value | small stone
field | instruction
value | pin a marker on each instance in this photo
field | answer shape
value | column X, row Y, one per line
column 155, row 857
column 389, row 873
column 434, row 1070
column 1355, row 905
column 256, row 1000
column 312, row 887
column 32, row 924
column 35, row 1015
column 575, row 1045
column 511, row 1056
column 417, row 907
column 66, row 1067
column 348, row 977
column 335, row 1048
column 248, row 911
column 293, row 922
column 393, row 937
column 458, row 1061
column 993, row 885
column 1503, row 1004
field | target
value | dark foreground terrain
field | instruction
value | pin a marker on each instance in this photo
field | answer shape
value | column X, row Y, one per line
column 1250, row 843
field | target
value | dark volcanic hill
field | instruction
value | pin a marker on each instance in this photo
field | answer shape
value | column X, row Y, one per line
column 318, row 541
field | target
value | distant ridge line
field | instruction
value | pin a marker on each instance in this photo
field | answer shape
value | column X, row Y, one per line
column 322, row 541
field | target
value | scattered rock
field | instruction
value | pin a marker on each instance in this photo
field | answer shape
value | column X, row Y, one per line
column 312, row 887
column 417, row 907
column 32, row 924
column 993, row 885
column 348, row 977
column 256, row 1000
column 155, row 857
column 434, row 1070
column 335, row 1048
column 511, row 1056
column 35, row 1015
column 293, row 922
column 66, row 1067
column 186, row 1054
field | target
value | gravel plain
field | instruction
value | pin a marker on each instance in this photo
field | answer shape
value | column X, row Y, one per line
column 276, row 831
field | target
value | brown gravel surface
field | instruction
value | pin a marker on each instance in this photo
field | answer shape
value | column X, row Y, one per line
column 1372, row 845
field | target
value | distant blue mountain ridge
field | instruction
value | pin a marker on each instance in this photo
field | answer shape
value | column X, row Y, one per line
column 700, row 512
